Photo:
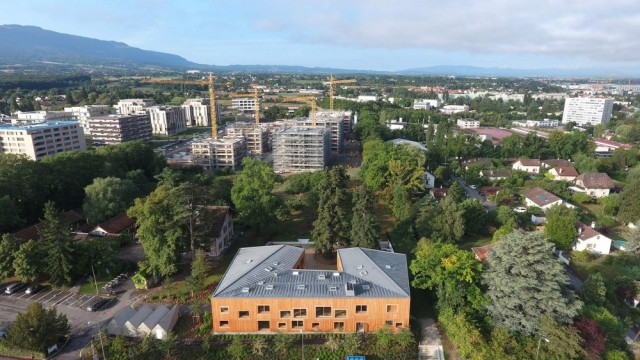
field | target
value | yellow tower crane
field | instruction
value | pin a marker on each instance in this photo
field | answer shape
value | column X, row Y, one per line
column 256, row 102
column 203, row 82
column 333, row 82
column 308, row 99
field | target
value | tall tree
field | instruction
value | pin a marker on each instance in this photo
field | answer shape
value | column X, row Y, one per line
column 563, row 341
column 252, row 193
column 475, row 217
column 594, row 290
column 365, row 229
column 561, row 226
column 448, row 226
column 525, row 282
column 9, row 214
column 37, row 328
column 56, row 239
column 400, row 202
column 331, row 225
column 456, row 192
column 630, row 202
column 28, row 262
column 108, row 197
column 9, row 246
column 199, row 271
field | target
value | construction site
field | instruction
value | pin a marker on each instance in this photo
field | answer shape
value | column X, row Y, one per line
column 256, row 136
column 333, row 124
column 301, row 148
column 215, row 154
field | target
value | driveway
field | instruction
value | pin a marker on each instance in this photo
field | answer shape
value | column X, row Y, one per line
column 430, row 346
column 475, row 194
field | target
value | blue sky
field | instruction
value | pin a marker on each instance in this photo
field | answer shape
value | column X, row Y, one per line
column 357, row 34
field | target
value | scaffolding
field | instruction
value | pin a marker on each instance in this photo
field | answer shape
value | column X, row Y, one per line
column 256, row 136
column 298, row 149
column 333, row 124
column 212, row 154
column 345, row 115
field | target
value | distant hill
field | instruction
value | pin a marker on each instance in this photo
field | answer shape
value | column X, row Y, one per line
column 464, row 70
column 31, row 45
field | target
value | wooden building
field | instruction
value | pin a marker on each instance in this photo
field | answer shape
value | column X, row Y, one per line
column 268, row 289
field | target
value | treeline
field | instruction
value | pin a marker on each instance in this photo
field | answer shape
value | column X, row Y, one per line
column 26, row 185
column 42, row 81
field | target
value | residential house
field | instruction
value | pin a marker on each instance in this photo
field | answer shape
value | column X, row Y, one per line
column 439, row 193
column 486, row 162
column 596, row 185
column 564, row 173
column 592, row 240
column 428, row 180
column 490, row 190
column 539, row 197
column 268, row 289
column 72, row 219
column 495, row 174
column 531, row 166
column 482, row 252
column 121, row 224
column 220, row 229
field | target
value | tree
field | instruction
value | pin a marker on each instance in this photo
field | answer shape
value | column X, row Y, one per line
column 56, row 240
column 593, row 335
column 564, row 341
column 448, row 226
column 199, row 271
column 400, row 202
column 9, row 246
column 475, row 217
column 455, row 275
column 108, row 197
column 99, row 253
column 610, row 204
column 594, row 291
column 252, row 193
column 331, row 226
column 375, row 163
column 630, row 202
column 365, row 229
column 237, row 350
column 37, row 328
column 28, row 262
column 9, row 218
column 456, row 192
column 561, row 226
column 525, row 282
column 614, row 328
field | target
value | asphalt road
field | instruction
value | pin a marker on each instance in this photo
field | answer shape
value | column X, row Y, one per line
column 475, row 194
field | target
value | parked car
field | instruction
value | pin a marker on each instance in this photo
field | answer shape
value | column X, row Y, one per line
column 520, row 209
column 473, row 186
column 482, row 194
column 14, row 288
column 97, row 304
column 3, row 331
column 32, row 289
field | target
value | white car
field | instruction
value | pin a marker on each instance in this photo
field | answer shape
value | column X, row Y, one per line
column 520, row 209
column 473, row 187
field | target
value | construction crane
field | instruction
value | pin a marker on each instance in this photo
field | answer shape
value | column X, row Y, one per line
column 333, row 82
column 256, row 102
column 203, row 82
column 308, row 99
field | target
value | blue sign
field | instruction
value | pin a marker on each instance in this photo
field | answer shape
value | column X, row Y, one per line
column 356, row 357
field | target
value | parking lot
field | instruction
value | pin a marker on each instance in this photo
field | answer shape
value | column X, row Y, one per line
column 50, row 298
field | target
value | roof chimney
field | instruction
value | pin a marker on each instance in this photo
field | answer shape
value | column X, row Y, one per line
column 593, row 224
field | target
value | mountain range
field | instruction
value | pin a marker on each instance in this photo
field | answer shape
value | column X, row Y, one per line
column 31, row 47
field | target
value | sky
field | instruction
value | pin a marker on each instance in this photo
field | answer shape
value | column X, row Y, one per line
column 357, row 34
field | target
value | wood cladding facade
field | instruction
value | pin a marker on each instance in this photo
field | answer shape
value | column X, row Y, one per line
column 379, row 312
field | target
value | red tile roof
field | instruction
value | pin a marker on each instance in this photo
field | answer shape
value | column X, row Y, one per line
column 529, row 162
column 439, row 193
column 482, row 252
column 490, row 190
column 68, row 218
column 566, row 170
column 596, row 181
column 585, row 232
column 556, row 162
column 117, row 224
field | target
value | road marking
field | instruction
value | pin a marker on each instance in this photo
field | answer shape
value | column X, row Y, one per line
column 82, row 305
column 43, row 295
column 63, row 298
column 54, row 292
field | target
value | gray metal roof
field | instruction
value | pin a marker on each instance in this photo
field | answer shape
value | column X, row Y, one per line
column 267, row 272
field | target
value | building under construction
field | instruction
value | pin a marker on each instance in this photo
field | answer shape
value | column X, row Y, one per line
column 256, row 136
column 333, row 124
column 218, row 154
column 301, row 148
column 345, row 115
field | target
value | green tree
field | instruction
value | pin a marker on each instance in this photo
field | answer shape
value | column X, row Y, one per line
column 594, row 291
column 564, row 341
column 610, row 204
column 630, row 202
column 252, row 193
column 400, row 202
column 561, row 226
column 615, row 355
column 455, row 275
column 27, row 264
column 375, row 163
column 331, row 226
column 108, row 197
column 9, row 247
column 101, row 253
column 199, row 271
column 521, row 266
column 475, row 217
column 56, row 240
column 37, row 328
column 237, row 350
column 365, row 229
column 456, row 192
column 9, row 214
column 448, row 226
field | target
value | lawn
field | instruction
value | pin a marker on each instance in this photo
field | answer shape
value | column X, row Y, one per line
column 89, row 286
column 610, row 266
column 476, row 243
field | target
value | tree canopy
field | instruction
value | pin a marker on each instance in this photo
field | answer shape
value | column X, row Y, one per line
column 365, row 229
column 252, row 193
column 108, row 197
column 561, row 226
column 37, row 328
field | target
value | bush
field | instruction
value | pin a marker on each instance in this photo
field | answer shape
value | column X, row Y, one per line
column 581, row 256
column 581, row 198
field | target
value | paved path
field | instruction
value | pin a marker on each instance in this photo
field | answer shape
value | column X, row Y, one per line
column 430, row 346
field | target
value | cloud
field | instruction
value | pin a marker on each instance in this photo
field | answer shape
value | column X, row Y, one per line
column 590, row 29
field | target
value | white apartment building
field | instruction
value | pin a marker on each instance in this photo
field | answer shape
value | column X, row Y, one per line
column 506, row 97
column 133, row 106
column 167, row 120
column 586, row 111
column 468, row 123
column 245, row 103
column 198, row 112
column 426, row 104
column 43, row 115
column 84, row 113
column 366, row 98
column 39, row 139
column 537, row 123
column 452, row 109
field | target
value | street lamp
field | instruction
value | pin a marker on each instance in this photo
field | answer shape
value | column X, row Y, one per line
column 539, row 341
column 302, row 336
column 89, row 323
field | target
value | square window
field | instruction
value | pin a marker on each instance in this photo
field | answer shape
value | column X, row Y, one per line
column 392, row 308
column 299, row 313
column 399, row 325
column 315, row 325
column 285, row 313
column 338, row 325
column 282, row 325
column 361, row 309
column 340, row 313
column 263, row 325
column 263, row 309
column 224, row 310
column 388, row 323
column 323, row 311
column 243, row 314
column 224, row 324
column 297, row 324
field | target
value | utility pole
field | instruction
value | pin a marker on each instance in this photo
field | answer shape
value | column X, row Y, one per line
column 302, row 336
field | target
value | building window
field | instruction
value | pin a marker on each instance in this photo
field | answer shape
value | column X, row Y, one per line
column 392, row 308
column 388, row 323
column 263, row 325
column 224, row 309
column 315, row 326
column 299, row 313
column 243, row 314
column 285, row 313
column 282, row 325
column 263, row 309
column 399, row 325
column 224, row 324
column 323, row 311
column 361, row 309
column 296, row 324
column 338, row 325
column 340, row 313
